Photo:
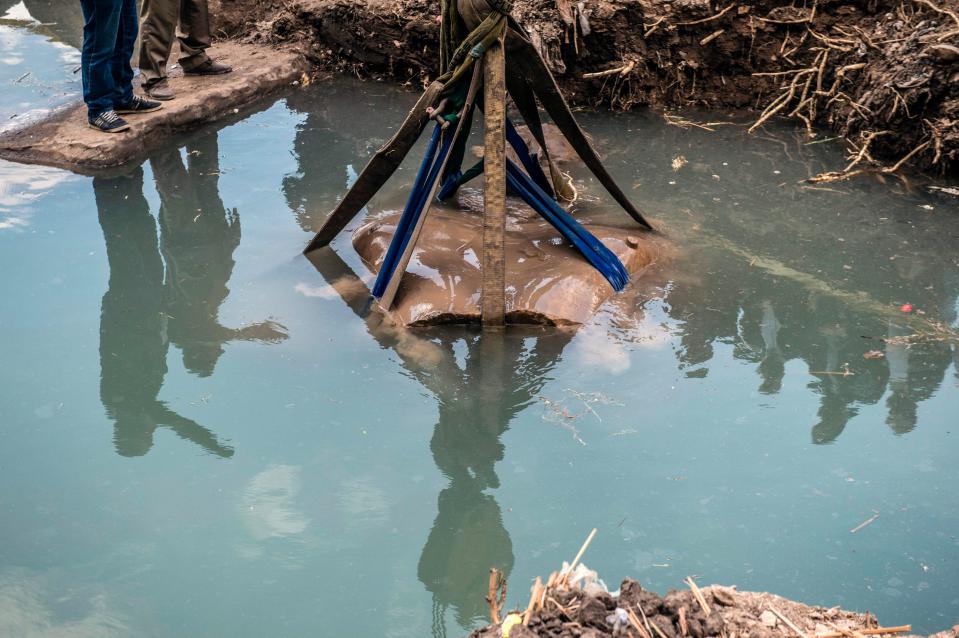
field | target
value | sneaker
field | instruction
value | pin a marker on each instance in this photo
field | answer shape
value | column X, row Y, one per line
column 160, row 91
column 138, row 105
column 208, row 68
column 108, row 122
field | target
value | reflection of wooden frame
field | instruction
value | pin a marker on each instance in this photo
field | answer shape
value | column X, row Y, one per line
column 476, row 403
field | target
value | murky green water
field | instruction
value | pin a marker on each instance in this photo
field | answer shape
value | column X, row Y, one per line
column 200, row 438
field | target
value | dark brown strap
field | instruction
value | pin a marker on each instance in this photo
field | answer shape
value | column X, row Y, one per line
column 530, row 66
column 379, row 169
column 525, row 102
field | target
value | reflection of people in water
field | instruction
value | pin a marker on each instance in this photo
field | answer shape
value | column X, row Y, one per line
column 197, row 239
column 500, row 377
column 133, row 342
column 822, row 330
column 915, row 373
column 759, row 342
column 153, row 301
column 62, row 21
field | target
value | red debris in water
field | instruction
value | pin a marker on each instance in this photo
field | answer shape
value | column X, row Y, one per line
column 906, row 307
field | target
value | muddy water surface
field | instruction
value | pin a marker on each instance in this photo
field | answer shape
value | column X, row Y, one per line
column 202, row 435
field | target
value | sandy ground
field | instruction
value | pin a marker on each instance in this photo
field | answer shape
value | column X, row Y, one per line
column 65, row 140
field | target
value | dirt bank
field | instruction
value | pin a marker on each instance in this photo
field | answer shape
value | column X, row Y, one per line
column 585, row 610
column 65, row 140
column 883, row 73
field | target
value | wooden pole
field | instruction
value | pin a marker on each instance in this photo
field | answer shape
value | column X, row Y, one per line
column 493, row 299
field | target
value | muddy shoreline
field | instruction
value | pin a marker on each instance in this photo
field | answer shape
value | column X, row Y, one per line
column 882, row 73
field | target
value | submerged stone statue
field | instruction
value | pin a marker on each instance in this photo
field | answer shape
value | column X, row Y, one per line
column 475, row 34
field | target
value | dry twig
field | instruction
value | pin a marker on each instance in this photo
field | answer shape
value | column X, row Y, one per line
column 788, row 622
column 496, row 582
column 650, row 28
column 712, row 36
column 704, row 20
column 621, row 70
column 536, row 596
column 948, row 12
column 579, row 555
column 876, row 631
column 698, row 594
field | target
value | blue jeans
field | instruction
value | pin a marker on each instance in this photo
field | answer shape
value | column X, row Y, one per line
column 109, row 32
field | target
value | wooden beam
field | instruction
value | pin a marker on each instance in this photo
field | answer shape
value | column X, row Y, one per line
column 493, row 296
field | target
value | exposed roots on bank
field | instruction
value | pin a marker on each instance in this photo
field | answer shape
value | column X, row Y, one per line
column 856, row 68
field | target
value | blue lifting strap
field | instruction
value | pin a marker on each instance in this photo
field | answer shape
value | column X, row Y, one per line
column 429, row 169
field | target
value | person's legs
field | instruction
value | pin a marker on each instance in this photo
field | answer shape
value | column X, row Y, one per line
column 157, row 27
column 100, row 22
column 122, row 54
column 194, row 33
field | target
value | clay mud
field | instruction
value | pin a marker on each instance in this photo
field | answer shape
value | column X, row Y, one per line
column 547, row 281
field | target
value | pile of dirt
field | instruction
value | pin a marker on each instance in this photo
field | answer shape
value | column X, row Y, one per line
column 883, row 73
column 576, row 612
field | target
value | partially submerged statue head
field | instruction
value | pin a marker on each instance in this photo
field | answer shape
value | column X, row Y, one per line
column 546, row 281
column 470, row 29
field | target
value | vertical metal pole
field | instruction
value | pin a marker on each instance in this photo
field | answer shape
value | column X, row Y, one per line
column 493, row 299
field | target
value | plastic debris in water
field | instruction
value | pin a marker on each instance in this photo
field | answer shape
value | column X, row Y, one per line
column 510, row 622
column 906, row 307
column 619, row 620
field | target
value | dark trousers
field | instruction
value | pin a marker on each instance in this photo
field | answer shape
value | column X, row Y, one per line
column 163, row 20
column 109, row 33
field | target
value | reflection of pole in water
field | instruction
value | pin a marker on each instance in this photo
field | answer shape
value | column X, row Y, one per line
column 902, row 407
column 772, row 368
column 499, row 378
column 133, row 327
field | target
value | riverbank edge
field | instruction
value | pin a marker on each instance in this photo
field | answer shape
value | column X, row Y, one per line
column 64, row 140
column 890, row 86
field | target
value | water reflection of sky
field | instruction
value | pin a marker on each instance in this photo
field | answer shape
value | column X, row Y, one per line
column 22, row 188
column 201, row 423
column 38, row 59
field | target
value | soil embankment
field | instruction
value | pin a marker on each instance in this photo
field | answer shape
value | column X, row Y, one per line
column 883, row 73
column 589, row 611
column 65, row 140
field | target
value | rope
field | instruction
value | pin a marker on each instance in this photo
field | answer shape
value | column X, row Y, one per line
column 458, row 53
